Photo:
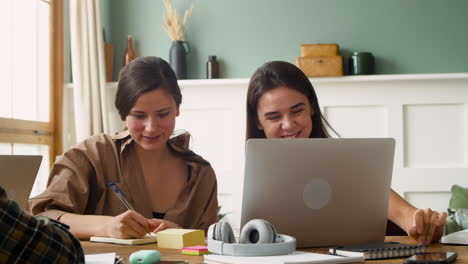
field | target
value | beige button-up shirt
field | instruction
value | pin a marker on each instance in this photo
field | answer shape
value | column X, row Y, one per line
column 79, row 183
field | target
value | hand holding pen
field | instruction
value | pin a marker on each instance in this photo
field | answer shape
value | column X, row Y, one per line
column 121, row 196
column 129, row 224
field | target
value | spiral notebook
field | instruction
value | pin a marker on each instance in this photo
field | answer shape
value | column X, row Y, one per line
column 380, row 250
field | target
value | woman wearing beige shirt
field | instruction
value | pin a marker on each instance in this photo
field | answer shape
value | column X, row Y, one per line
column 168, row 185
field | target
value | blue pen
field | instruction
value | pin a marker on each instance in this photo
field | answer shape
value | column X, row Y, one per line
column 121, row 195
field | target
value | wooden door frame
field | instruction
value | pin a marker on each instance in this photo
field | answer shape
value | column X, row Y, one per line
column 56, row 76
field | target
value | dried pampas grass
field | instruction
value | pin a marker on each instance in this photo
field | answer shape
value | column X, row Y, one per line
column 172, row 23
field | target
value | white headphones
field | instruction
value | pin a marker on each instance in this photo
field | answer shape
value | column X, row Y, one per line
column 257, row 238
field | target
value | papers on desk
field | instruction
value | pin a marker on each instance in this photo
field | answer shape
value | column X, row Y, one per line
column 295, row 257
column 456, row 238
column 106, row 258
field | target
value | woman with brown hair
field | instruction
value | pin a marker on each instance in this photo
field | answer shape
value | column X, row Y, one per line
column 168, row 185
column 281, row 103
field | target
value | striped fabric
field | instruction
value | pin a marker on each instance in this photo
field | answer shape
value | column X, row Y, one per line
column 28, row 239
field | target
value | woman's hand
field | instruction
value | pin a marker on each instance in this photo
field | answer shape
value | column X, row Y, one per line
column 127, row 225
column 427, row 226
column 160, row 225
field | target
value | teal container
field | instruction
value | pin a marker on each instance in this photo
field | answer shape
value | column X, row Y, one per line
column 361, row 63
column 145, row 256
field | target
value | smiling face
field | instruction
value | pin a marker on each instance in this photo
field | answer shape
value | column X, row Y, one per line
column 151, row 120
column 284, row 113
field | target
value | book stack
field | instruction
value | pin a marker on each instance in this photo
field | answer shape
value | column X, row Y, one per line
column 320, row 60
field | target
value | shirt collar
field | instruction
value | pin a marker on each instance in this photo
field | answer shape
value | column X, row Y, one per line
column 179, row 142
column 124, row 138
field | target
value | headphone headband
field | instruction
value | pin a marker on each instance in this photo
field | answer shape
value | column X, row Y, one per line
column 283, row 245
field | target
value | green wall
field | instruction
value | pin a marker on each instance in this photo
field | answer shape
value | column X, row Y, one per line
column 417, row 36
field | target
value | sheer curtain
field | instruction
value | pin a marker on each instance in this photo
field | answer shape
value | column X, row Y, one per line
column 88, row 69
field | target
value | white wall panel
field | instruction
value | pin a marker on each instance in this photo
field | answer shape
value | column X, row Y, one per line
column 435, row 200
column 435, row 135
column 369, row 121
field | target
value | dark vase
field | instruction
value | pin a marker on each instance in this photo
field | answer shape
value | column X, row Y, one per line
column 178, row 58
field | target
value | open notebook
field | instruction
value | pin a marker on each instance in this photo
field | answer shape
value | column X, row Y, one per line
column 148, row 239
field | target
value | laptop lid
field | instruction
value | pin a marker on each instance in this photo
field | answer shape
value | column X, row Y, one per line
column 323, row 192
column 18, row 174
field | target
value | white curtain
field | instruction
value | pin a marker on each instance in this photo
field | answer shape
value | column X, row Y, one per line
column 88, row 69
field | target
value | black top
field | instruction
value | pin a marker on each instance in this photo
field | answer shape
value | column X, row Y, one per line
column 158, row 215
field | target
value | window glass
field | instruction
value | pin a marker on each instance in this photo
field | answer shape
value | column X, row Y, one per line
column 43, row 62
column 6, row 58
column 25, row 56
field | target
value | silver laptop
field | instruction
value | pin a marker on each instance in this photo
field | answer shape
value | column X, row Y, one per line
column 17, row 176
column 324, row 192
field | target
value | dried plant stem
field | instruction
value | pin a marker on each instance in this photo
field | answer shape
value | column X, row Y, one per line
column 172, row 23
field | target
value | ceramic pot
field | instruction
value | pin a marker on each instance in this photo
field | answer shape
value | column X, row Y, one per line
column 178, row 58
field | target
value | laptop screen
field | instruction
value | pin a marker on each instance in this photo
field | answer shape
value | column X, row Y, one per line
column 324, row 192
column 18, row 173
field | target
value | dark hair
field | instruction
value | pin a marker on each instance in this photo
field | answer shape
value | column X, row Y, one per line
column 143, row 75
column 146, row 74
column 277, row 74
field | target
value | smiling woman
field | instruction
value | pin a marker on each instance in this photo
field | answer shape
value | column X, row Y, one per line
column 281, row 103
column 284, row 113
column 168, row 185
column 151, row 120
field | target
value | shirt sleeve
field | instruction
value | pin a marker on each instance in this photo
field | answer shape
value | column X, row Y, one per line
column 68, row 186
column 29, row 239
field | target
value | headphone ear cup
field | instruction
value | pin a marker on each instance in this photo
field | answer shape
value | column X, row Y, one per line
column 257, row 231
column 223, row 232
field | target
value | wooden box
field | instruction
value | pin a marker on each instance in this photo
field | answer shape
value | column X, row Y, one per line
column 321, row 66
column 319, row 50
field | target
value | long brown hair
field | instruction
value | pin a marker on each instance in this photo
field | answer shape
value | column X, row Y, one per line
column 146, row 74
column 282, row 74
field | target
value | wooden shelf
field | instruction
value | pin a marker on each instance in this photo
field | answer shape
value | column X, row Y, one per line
column 347, row 78
column 339, row 79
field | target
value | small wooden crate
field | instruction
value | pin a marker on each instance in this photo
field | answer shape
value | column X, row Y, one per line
column 319, row 50
column 321, row 66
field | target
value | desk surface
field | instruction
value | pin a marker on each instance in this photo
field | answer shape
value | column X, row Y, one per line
column 173, row 254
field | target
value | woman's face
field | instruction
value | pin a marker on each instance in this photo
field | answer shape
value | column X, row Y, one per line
column 284, row 113
column 151, row 120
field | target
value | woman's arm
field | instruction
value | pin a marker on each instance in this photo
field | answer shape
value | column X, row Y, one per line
column 129, row 224
column 424, row 226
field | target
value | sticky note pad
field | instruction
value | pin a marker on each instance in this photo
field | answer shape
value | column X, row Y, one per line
column 179, row 238
column 195, row 250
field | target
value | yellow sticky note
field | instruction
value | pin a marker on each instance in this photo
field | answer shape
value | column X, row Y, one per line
column 179, row 238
